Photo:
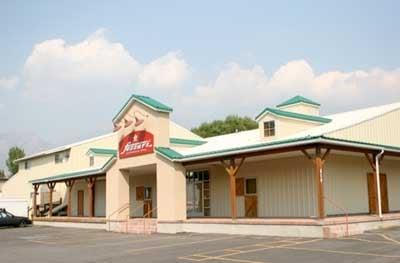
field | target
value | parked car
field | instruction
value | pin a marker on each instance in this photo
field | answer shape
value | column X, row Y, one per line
column 8, row 219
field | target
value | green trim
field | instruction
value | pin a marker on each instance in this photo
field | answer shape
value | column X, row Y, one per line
column 293, row 115
column 147, row 101
column 175, row 156
column 169, row 153
column 77, row 174
column 388, row 147
column 298, row 99
column 102, row 151
column 186, row 141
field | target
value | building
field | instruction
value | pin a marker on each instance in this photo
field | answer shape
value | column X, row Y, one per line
column 298, row 174
column 3, row 180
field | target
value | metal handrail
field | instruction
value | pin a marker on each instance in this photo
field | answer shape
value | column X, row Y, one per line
column 128, row 216
column 344, row 210
column 145, row 217
column 119, row 210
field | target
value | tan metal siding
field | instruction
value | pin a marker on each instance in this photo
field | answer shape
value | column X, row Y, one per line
column 381, row 130
column 346, row 184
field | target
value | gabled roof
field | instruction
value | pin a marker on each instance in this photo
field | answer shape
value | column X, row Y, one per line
column 102, row 151
column 147, row 101
column 293, row 115
column 64, row 147
column 250, row 141
column 77, row 174
column 298, row 99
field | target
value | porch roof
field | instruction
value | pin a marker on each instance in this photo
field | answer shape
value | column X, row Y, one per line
column 179, row 157
column 76, row 174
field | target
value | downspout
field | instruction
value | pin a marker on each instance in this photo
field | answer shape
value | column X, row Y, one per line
column 378, row 182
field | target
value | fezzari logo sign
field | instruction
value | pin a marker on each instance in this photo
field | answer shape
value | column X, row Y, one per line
column 136, row 143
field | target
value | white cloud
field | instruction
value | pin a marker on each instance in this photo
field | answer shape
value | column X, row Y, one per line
column 167, row 71
column 8, row 83
column 81, row 85
column 56, row 68
column 247, row 90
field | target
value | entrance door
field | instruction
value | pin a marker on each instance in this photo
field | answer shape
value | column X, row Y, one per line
column 80, row 202
column 373, row 196
column 250, row 198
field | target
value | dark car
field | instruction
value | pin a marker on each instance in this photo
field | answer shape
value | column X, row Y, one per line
column 8, row 219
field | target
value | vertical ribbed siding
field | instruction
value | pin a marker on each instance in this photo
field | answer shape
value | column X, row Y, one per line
column 285, row 188
column 346, row 184
column 381, row 130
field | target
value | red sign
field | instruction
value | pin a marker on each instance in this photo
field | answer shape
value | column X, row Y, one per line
column 136, row 143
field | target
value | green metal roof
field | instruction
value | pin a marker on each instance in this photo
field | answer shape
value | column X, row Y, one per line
column 147, row 101
column 298, row 99
column 77, row 174
column 293, row 115
column 103, row 151
column 169, row 153
column 175, row 156
column 186, row 141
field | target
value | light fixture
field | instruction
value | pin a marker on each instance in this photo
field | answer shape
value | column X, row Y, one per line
column 116, row 127
column 127, row 123
column 139, row 121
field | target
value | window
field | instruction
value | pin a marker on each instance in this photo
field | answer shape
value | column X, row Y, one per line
column 61, row 157
column 27, row 165
column 147, row 193
column 251, row 186
column 91, row 160
column 269, row 128
column 198, row 193
column 57, row 158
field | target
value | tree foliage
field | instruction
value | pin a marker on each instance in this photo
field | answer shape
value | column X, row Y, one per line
column 231, row 124
column 13, row 154
column 2, row 174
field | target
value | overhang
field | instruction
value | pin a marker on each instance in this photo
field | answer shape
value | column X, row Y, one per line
column 76, row 174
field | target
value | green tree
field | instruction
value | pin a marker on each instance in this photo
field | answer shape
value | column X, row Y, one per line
column 231, row 124
column 13, row 154
column 2, row 174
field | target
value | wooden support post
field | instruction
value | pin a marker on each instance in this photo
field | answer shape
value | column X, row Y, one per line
column 35, row 193
column 232, row 169
column 318, row 162
column 374, row 204
column 69, row 185
column 91, row 182
column 51, row 186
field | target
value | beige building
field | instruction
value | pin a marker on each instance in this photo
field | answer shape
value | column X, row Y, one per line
column 298, row 174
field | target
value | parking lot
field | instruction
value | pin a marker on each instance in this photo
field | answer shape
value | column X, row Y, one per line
column 47, row 244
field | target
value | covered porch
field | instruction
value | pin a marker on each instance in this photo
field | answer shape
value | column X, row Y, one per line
column 82, row 197
column 328, row 189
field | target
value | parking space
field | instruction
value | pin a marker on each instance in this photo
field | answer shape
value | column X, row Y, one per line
column 47, row 244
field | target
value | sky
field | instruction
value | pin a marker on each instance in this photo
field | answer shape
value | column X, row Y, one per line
column 66, row 67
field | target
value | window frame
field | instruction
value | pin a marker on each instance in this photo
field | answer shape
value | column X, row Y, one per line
column 270, row 130
column 91, row 160
column 245, row 185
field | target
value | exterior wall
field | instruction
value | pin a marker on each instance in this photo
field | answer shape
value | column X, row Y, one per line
column 284, row 126
column 289, row 190
column 99, row 195
column 18, row 186
column 346, row 184
column 381, row 130
column 283, row 190
column 171, row 191
column 392, row 170
column 302, row 108
column 148, row 180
